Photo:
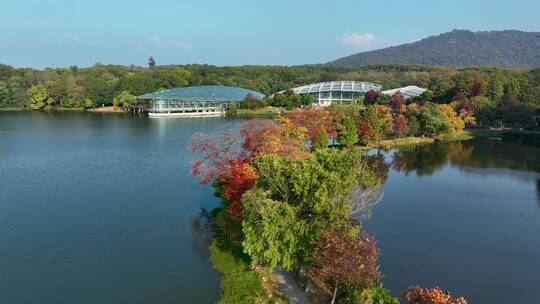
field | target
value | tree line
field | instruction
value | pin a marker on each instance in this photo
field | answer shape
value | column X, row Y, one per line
column 510, row 96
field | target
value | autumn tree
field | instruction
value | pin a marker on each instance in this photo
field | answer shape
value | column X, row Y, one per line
column 509, row 103
column 238, row 179
column 418, row 295
column 252, row 102
column 255, row 137
column 478, row 86
column 37, row 97
column 452, row 117
column 397, row 101
column 377, row 119
column 341, row 261
column 216, row 154
column 317, row 122
column 401, row 127
column 371, row 97
column 281, row 137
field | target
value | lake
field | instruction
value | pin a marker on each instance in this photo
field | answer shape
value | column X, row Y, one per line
column 98, row 208
column 464, row 216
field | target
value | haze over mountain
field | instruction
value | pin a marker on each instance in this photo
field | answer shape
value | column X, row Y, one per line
column 508, row 48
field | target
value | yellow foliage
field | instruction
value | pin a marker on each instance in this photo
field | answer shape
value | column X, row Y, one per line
column 457, row 122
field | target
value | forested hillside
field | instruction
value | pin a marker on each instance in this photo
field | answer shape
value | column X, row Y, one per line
column 458, row 48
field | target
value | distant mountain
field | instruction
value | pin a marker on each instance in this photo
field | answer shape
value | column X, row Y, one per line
column 458, row 48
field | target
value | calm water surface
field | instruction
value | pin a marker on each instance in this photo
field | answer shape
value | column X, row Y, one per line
column 99, row 209
column 464, row 216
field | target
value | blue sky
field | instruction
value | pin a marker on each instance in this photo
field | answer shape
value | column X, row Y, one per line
column 228, row 32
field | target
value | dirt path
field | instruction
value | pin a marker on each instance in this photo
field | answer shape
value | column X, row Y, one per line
column 289, row 288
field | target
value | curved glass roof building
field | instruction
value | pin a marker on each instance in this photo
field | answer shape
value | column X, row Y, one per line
column 408, row 91
column 208, row 100
column 336, row 91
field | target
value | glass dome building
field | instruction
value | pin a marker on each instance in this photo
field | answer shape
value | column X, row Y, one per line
column 407, row 92
column 336, row 91
column 195, row 101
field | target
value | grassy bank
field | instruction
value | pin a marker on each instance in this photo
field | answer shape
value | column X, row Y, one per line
column 404, row 142
column 12, row 109
column 458, row 136
column 239, row 282
column 46, row 109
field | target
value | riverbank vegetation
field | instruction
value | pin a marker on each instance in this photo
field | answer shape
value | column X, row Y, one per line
column 291, row 201
column 498, row 96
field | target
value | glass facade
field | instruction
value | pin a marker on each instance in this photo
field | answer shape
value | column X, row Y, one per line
column 203, row 100
column 337, row 91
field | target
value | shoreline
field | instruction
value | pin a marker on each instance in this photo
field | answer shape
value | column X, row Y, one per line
column 94, row 110
column 109, row 109
column 404, row 142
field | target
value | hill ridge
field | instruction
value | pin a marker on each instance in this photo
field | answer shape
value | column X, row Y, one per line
column 460, row 48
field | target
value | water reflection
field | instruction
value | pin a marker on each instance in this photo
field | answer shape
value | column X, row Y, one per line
column 538, row 190
column 201, row 234
column 463, row 215
column 523, row 161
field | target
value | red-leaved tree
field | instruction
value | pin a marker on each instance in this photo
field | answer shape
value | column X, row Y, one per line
column 401, row 127
column 509, row 103
column 257, row 136
column 371, row 97
column 262, row 136
column 364, row 130
column 216, row 155
column 238, row 180
column 397, row 101
column 418, row 295
column 317, row 122
column 342, row 261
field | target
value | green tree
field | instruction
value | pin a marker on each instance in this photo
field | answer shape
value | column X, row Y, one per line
column 37, row 96
column 428, row 119
column 294, row 200
column 123, row 99
column 98, row 89
column 170, row 78
column 378, row 119
column 377, row 295
column 138, row 84
column 427, row 96
column 496, row 88
column 88, row 103
column 485, row 110
column 274, row 235
column 347, row 132
column 4, row 95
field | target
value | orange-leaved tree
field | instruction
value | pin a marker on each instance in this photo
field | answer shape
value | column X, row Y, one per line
column 318, row 123
column 240, row 178
column 419, row 295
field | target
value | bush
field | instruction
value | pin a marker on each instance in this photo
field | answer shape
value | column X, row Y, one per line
column 239, row 283
column 377, row 295
column 418, row 295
